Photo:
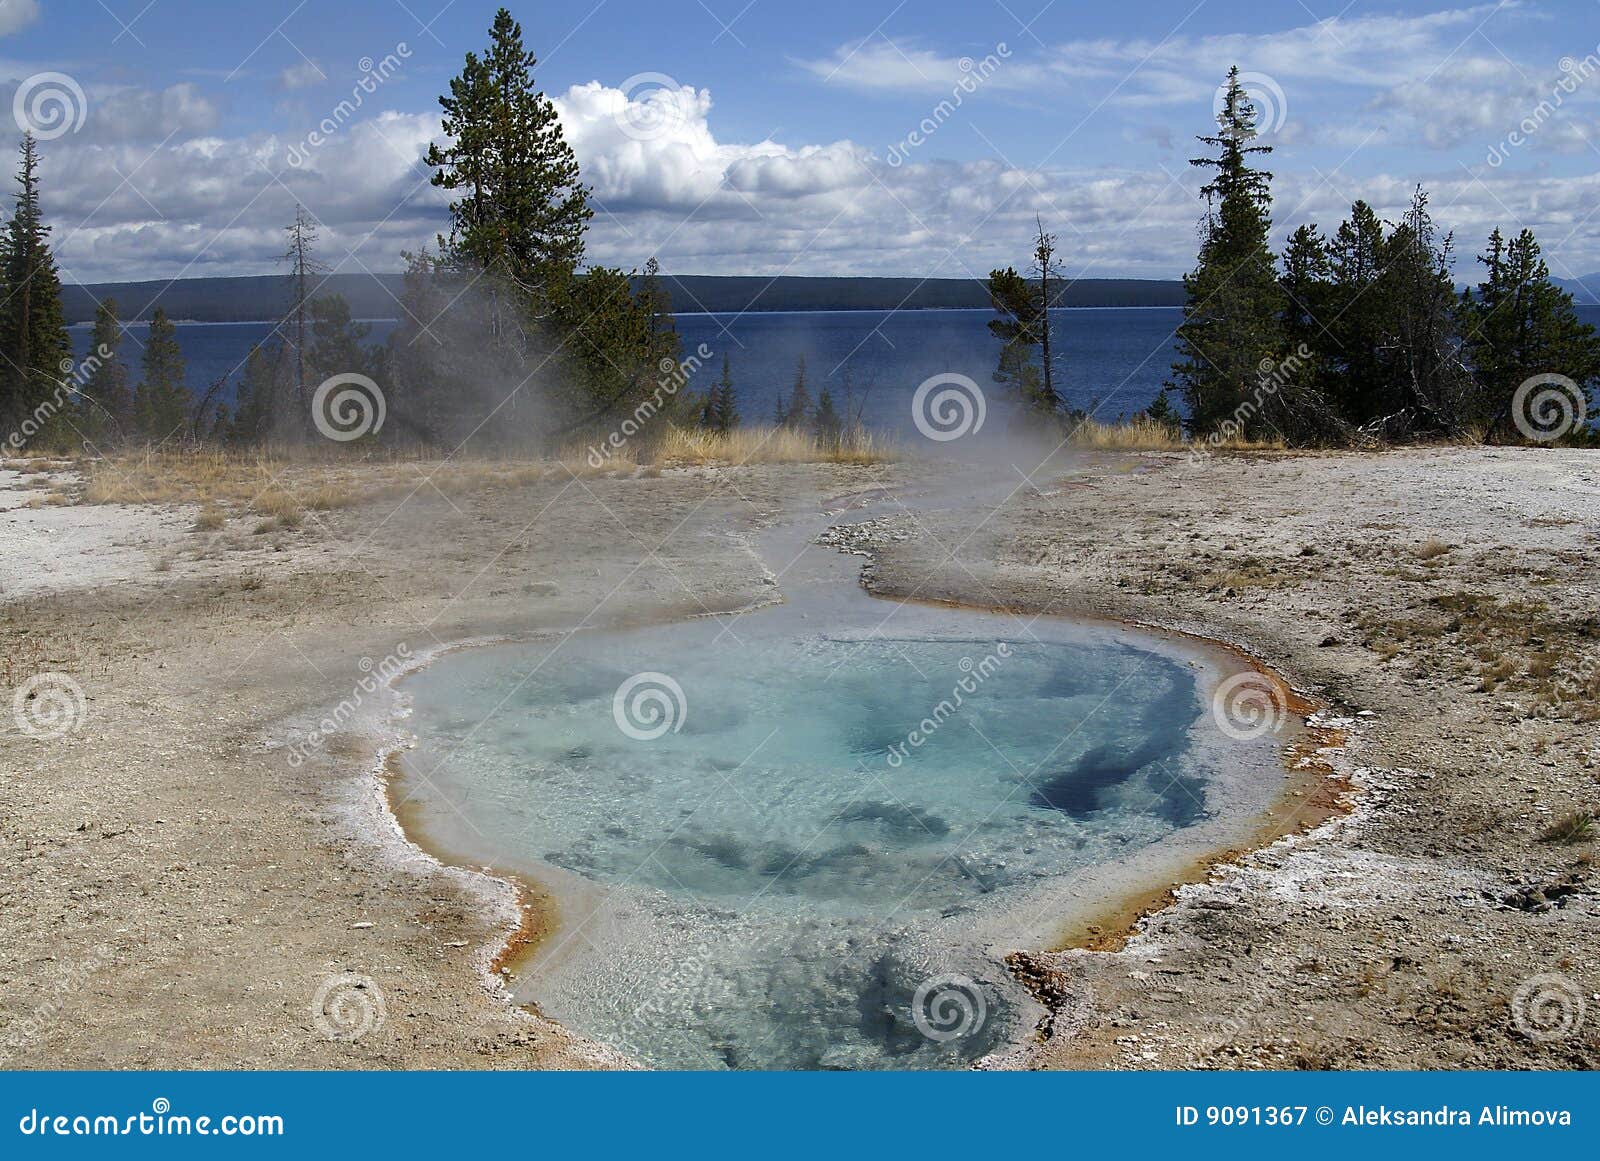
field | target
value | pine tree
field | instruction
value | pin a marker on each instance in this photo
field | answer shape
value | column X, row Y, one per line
column 1307, row 284
column 1020, row 329
column 1358, row 314
column 826, row 425
column 303, row 268
column 161, row 401
column 338, row 344
column 780, row 411
column 1425, row 386
column 1232, row 318
column 799, row 413
column 521, row 208
column 34, row 347
column 1518, row 324
column 109, row 410
column 257, row 400
column 722, row 406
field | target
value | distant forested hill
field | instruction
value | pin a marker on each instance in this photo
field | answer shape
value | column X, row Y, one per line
column 376, row 295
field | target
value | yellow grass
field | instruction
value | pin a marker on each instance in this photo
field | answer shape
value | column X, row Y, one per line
column 1142, row 433
column 1138, row 434
column 766, row 445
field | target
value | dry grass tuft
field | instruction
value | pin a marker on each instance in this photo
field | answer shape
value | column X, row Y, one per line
column 766, row 445
column 1431, row 548
column 210, row 519
column 1576, row 827
column 1138, row 434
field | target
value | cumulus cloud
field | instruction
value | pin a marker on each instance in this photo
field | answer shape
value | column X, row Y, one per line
column 128, row 114
column 666, row 184
column 16, row 15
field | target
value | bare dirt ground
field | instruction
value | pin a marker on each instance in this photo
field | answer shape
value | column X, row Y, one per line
column 175, row 893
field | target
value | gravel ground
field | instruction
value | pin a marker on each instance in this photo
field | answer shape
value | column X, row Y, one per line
column 177, row 894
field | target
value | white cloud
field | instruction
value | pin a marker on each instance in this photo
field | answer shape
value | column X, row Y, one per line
column 128, row 114
column 882, row 63
column 301, row 76
column 665, row 184
column 16, row 15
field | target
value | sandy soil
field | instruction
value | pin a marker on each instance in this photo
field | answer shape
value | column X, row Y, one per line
column 176, row 893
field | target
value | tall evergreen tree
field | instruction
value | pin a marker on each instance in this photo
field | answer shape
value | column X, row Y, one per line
column 1232, row 317
column 338, row 344
column 798, row 414
column 109, row 410
column 1426, row 387
column 161, row 401
column 521, row 209
column 722, row 406
column 1519, row 324
column 1023, row 306
column 826, row 424
column 1020, row 329
column 303, row 271
column 258, row 399
column 1358, row 314
column 34, row 348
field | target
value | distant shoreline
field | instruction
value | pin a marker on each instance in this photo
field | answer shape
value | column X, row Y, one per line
column 267, row 322
column 250, row 298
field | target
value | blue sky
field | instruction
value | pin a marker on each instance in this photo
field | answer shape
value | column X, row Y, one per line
column 872, row 137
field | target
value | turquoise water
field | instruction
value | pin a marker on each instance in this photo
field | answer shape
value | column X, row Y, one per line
column 778, row 847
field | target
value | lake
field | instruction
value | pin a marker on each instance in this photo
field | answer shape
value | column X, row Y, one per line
column 1111, row 358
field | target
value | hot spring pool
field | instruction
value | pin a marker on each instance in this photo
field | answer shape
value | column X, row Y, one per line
column 778, row 847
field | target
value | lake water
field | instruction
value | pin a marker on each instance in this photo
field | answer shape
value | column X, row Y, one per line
column 1113, row 358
